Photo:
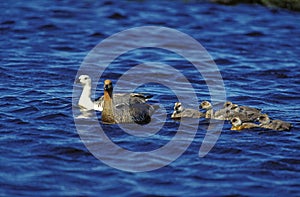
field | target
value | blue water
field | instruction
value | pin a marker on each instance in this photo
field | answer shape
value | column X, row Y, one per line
column 43, row 44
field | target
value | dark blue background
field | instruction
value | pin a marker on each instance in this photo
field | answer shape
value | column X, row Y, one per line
column 42, row 46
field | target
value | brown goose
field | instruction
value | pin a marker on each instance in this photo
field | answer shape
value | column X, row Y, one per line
column 278, row 125
column 221, row 114
column 134, row 110
column 181, row 112
column 227, row 105
column 206, row 105
column 244, row 115
column 251, row 113
column 238, row 125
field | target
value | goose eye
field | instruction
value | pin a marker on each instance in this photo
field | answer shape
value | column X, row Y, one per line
column 85, row 78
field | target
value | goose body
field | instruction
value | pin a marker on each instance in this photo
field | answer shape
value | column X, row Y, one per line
column 251, row 113
column 243, row 114
column 181, row 112
column 132, row 110
column 238, row 125
column 207, row 107
column 221, row 114
column 277, row 125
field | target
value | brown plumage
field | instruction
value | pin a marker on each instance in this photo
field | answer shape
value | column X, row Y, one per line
column 132, row 111
column 243, row 113
column 209, row 112
column 181, row 112
column 221, row 114
column 238, row 125
column 278, row 125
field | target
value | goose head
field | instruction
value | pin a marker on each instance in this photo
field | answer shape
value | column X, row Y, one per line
column 228, row 104
column 84, row 80
column 243, row 109
column 236, row 121
column 178, row 107
column 264, row 119
column 235, row 108
column 108, row 85
column 205, row 105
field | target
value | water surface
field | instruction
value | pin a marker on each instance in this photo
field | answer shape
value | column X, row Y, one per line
column 43, row 45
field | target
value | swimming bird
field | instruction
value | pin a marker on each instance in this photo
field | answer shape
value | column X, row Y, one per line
column 250, row 109
column 207, row 107
column 238, row 125
column 227, row 104
column 230, row 105
column 86, row 102
column 132, row 111
column 244, row 115
column 278, row 125
column 221, row 114
column 181, row 112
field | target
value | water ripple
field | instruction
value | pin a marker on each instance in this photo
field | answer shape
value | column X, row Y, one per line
column 43, row 45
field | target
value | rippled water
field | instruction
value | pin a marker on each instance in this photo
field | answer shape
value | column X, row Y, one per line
column 43, row 45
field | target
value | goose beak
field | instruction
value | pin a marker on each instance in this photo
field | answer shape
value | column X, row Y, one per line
column 78, row 81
